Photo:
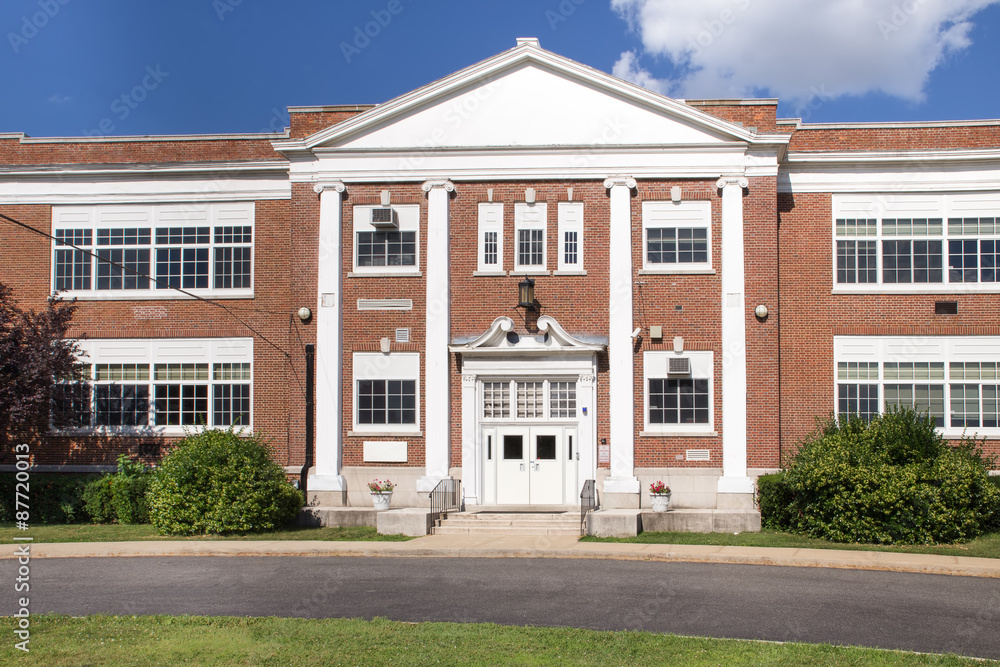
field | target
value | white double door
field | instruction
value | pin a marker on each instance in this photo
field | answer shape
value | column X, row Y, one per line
column 534, row 465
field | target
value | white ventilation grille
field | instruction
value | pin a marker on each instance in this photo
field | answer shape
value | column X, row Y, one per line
column 697, row 455
column 383, row 217
column 402, row 335
column 678, row 366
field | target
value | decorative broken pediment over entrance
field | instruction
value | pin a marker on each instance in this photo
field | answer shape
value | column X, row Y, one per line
column 501, row 338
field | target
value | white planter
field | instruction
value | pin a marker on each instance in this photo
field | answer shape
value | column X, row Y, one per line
column 659, row 501
column 381, row 500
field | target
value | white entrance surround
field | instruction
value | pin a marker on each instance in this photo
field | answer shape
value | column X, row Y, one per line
column 326, row 474
column 500, row 353
column 437, row 395
column 734, row 341
column 621, row 402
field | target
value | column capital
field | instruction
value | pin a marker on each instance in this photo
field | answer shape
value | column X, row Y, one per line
column 733, row 180
column 627, row 181
column 336, row 186
column 445, row 184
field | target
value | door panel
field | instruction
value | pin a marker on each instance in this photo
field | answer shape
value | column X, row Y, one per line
column 546, row 468
column 512, row 466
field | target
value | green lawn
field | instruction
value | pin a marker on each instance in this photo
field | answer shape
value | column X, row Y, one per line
column 146, row 533
column 62, row 641
column 987, row 546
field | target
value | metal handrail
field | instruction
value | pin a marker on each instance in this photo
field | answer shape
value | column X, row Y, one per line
column 446, row 497
column 588, row 502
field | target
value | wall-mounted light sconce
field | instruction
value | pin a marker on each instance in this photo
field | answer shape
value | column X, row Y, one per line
column 526, row 294
column 761, row 311
column 529, row 195
column 304, row 314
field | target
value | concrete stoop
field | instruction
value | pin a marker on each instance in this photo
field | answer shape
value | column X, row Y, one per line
column 629, row 523
column 315, row 517
column 513, row 523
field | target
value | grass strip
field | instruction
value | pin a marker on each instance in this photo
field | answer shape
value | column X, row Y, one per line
column 58, row 641
column 987, row 546
column 146, row 533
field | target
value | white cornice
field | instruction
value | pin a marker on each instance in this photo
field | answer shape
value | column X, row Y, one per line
column 107, row 170
column 912, row 156
column 261, row 136
column 904, row 125
column 525, row 52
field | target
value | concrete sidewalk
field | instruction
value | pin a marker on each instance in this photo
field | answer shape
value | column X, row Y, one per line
column 525, row 546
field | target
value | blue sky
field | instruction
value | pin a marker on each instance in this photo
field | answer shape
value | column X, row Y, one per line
column 119, row 67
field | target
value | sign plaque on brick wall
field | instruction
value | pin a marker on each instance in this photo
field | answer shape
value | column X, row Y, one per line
column 604, row 453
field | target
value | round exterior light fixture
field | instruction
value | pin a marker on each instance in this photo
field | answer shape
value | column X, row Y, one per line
column 760, row 311
column 304, row 314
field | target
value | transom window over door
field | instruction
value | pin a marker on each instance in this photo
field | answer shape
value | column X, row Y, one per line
column 532, row 399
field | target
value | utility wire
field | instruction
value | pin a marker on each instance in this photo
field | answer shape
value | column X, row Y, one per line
column 228, row 311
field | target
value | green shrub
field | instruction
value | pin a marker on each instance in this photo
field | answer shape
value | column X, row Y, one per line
column 894, row 480
column 219, row 482
column 774, row 500
column 52, row 497
column 129, row 488
column 98, row 500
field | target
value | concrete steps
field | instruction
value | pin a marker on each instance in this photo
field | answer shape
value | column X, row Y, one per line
column 509, row 523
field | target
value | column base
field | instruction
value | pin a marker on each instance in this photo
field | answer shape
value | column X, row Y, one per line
column 736, row 485
column 426, row 484
column 621, row 485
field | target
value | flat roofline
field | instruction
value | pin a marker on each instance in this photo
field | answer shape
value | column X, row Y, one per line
column 910, row 124
column 262, row 136
column 333, row 108
column 736, row 102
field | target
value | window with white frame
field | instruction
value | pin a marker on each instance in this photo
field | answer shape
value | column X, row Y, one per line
column 531, row 399
column 570, row 236
column 917, row 243
column 386, row 392
column 954, row 380
column 530, row 231
column 677, row 236
column 136, row 252
column 390, row 245
column 491, row 237
column 677, row 403
column 164, row 385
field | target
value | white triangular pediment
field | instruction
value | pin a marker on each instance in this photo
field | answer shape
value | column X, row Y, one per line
column 500, row 338
column 528, row 97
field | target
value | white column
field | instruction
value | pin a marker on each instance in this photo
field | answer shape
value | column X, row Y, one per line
column 472, row 461
column 437, row 397
column 734, row 341
column 586, row 448
column 325, row 476
column 622, row 370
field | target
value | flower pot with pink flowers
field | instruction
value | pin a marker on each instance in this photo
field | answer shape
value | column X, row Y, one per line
column 659, row 496
column 381, row 493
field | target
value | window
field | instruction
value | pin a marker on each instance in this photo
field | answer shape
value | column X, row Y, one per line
column 677, row 404
column 530, row 225
column 959, row 394
column 570, row 236
column 917, row 243
column 386, row 392
column 534, row 399
column 386, row 247
column 175, row 244
column 491, row 237
column 677, row 236
column 116, row 392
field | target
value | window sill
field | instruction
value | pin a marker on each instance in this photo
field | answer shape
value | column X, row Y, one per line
column 522, row 272
column 569, row 273
column 677, row 271
column 678, row 434
column 385, row 274
column 923, row 288
column 385, row 434
column 477, row 274
column 158, row 295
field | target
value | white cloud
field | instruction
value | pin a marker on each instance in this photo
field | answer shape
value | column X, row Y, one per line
column 60, row 99
column 792, row 48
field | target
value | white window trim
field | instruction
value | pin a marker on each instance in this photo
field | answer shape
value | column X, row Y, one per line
column 654, row 366
column 540, row 209
column 665, row 214
column 570, row 220
column 162, row 351
column 896, row 206
column 490, row 220
column 379, row 366
column 409, row 221
column 154, row 216
column 945, row 349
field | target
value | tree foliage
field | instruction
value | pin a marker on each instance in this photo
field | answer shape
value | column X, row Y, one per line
column 33, row 352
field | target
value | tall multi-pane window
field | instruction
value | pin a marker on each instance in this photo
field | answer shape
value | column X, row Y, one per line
column 121, row 394
column 181, row 394
column 530, row 231
column 496, row 400
column 857, row 390
column 570, row 236
column 857, row 257
column 141, row 250
column 562, row 400
column 491, row 237
column 530, row 247
column 387, row 402
column 386, row 239
column 678, row 401
column 490, row 246
column 677, row 236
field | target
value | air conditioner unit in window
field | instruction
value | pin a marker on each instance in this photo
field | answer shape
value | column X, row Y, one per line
column 678, row 366
column 384, row 217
